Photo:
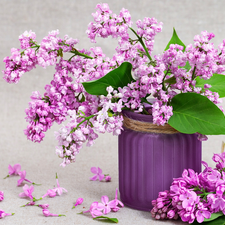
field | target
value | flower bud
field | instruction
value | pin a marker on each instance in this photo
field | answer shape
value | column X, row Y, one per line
column 153, row 202
column 107, row 178
column 157, row 217
column 171, row 214
column 163, row 216
column 163, row 194
column 160, row 205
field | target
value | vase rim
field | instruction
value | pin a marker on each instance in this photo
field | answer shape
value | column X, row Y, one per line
column 138, row 116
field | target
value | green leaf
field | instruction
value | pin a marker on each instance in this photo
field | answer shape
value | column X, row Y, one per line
column 217, row 81
column 214, row 216
column 106, row 219
column 187, row 66
column 118, row 77
column 217, row 221
column 196, row 113
column 171, row 80
column 175, row 40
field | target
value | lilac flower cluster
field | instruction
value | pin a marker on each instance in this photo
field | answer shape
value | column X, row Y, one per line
column 160, row 77
column 194, row 196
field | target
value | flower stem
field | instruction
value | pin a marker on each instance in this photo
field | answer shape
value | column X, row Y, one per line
column 86, row 118
column 76, row 52
column 36, row 184
column 142, row 43
column 6, row 176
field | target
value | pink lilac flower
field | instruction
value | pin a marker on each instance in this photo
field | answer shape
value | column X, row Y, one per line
column 23, row 178
column 1, row 196
column 94, row 210
column 3, row 214
column 59, row 190
column 43, row 206
column 106, row 206
column 78, row 202
column 47, row 213
column 117, row 202
column 14, row 170
column 27, row 191
column 98, row 173
column 51, row 193
column 201, row 214
column 188, row 199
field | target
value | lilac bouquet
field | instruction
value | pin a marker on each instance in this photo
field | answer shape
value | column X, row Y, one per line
column 91, row 90
column 195, row 198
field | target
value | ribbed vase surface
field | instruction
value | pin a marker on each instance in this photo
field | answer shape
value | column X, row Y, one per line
column 148, row 162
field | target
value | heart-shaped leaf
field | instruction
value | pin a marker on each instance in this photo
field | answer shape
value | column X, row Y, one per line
column 175, row 40
column 118, row 77
column 196, row 113
column 217, row 81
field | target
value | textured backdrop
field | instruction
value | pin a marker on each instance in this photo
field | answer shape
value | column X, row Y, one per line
column 71, row 17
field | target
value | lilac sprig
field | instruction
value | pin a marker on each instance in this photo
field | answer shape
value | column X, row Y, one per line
column 194, row 196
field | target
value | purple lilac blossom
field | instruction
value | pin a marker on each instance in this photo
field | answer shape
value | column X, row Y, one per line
column 66, row 99
column 98, row 173
column 193, row 196
column 27, row 191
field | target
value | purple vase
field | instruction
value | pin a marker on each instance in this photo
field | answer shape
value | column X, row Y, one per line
column 148, row 162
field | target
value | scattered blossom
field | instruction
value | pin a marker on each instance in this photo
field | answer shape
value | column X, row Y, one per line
column 47, row 213
column 43, row 206
column 104, row 207
column 94, row 210
column 4, row 214
column 23, row 178
column 79, row 201
column 98, row 173
column 27, row 191
column 51, row 193
column 14, row 170
column 57, row 190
